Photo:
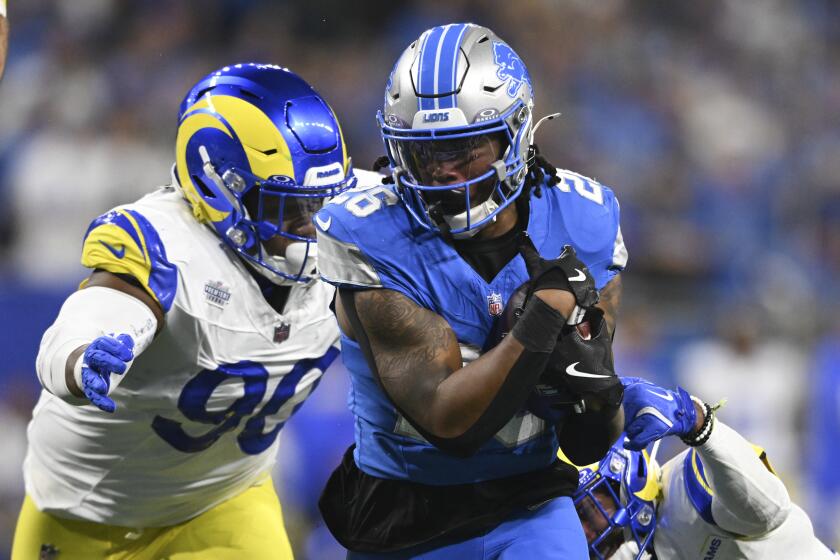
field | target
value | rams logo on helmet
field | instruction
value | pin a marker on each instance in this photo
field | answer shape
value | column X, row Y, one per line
column 510, row 68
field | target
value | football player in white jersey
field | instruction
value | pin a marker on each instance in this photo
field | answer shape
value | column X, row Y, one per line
column 718, row 500
column 201, row 329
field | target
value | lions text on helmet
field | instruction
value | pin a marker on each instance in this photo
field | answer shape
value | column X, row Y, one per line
column 426, row 266
column 459, row 100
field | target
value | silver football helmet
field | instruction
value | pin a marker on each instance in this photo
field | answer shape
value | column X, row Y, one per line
column 458, row 94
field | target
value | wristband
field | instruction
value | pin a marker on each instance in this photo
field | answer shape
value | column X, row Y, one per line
column 704, row 433
column 77, row 370
column 86, row 315
column 538, row 328
column 3, row 8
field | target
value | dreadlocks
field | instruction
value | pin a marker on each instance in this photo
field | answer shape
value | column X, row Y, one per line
column 539, row 170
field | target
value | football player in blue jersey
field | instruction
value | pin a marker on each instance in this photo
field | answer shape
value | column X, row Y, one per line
column 449, row 461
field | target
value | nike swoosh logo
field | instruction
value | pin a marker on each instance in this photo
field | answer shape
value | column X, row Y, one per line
column 655, row 413
column 580, row 276
column 323, row 224
column 577, row 373
column 117, row 253
column 660, row 395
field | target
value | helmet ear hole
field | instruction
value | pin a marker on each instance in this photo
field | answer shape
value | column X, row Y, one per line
column 205, row 190
column 642, row 469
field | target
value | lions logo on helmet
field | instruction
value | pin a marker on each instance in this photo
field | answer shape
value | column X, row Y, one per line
column 456, row 86
column 511, row 68
column 257, row 152
column 616, row 501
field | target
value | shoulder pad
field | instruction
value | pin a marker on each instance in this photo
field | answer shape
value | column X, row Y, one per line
column 123, row 241
column 586, row 215
column 591, row 213
column 364, row 238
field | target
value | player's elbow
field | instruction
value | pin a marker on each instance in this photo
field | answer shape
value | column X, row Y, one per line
column 760, row 525
column 454, row 435
column 775, row 507
column 447, row 425
column 778, row 514
column 454, row 438
column 760, row 518
column 458, row 447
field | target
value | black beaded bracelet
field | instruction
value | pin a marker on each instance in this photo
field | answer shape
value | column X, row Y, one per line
column 702, row 435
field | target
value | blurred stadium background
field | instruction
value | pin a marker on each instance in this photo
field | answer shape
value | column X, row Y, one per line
column 716, row 123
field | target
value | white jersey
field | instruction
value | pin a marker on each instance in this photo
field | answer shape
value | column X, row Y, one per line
column 199, row 411
column 722, row 501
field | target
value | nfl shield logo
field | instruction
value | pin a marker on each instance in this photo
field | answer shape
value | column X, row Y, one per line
column 281, row 332
column 494, row 304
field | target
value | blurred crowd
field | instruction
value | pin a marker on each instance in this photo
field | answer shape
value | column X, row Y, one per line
column 716, row 123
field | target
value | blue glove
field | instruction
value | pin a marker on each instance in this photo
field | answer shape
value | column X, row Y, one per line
column 652, row 412
column 104, row 356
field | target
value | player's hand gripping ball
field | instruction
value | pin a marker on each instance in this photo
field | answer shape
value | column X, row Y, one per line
column 557, row 395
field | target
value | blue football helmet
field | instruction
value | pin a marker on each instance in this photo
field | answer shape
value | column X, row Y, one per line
column 616, row 500
column 453, row 88
column 258, row 150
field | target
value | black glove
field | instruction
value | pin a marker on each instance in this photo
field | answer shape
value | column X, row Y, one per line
column 566, row 272
column 579, row 392
column 582, row 361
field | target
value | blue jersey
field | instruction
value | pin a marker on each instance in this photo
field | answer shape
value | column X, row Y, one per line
column 366, row 238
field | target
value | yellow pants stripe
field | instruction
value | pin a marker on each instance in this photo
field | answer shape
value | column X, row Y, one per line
column 247, row 526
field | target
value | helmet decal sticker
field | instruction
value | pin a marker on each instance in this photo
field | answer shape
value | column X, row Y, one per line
column 510, row 68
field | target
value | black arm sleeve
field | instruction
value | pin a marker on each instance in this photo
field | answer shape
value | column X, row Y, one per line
column 511, row 396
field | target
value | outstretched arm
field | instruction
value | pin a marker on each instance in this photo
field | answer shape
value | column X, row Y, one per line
column 100, row 330
column 749, row 499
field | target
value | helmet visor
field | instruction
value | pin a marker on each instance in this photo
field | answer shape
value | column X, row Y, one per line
column 283, row 207
column 597, row 508
column 446, row 170
column 283, row 214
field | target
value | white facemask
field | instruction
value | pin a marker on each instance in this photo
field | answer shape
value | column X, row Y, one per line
column 476, row 214
column 296, row 257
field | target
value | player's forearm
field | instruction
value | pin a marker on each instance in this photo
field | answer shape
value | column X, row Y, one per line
column 460, row 399
column 71, row 371
column 477, row 400
column 493, row 387
column 86, row 315
column 464, row 415
column 749, row 500
column 415, row 355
